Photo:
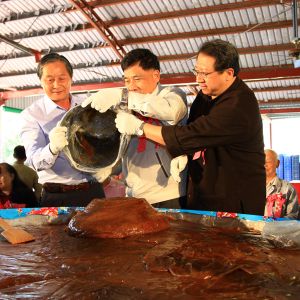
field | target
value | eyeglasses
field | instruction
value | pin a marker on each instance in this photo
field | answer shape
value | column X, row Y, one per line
column 202, row 74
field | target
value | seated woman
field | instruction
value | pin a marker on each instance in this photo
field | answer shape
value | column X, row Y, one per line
column 14, row 192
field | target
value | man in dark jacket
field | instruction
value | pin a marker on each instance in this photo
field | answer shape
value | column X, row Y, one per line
column 223, row 138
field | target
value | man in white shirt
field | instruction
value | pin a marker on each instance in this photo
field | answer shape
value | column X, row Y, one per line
column 146, row 165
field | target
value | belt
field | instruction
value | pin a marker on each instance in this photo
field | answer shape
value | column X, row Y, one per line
column 52, row 187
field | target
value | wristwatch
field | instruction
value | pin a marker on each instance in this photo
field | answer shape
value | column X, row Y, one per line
column 140, row 130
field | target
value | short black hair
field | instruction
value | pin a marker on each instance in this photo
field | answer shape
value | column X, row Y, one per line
column 146, row 59
column 19, row 152
column 52, row 57
column 225, row 53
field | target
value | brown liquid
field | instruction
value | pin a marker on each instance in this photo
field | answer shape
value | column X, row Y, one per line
column 187, row 261
column 117, row 218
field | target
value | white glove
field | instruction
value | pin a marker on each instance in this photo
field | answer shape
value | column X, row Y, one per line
column 177, row 166
column 127, row 123
column 104, row 99
column 58, row 139
column 103, row 174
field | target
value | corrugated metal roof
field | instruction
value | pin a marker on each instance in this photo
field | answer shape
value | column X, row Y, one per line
column 23, row 102
column 261, row 30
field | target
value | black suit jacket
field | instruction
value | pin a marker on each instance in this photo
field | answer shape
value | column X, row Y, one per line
column 229, row 175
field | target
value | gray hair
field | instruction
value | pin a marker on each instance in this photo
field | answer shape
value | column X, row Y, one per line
column 53, row 57
column 272, row 152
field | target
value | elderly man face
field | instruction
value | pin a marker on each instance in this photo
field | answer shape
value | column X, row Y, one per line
column 271, row 163
column 56, row 81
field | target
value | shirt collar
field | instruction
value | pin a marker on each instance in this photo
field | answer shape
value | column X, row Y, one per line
column 50, row 105
column 156, row 90
column 233, row 86
column 273, row 182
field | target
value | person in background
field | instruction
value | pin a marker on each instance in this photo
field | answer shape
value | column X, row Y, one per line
column 25, row 173
column 282, row 199
column 223, row 138
column 146, row 165
column 13, row 191
column 44, row 140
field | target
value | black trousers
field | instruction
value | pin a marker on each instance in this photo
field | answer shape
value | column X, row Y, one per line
column 72, row 198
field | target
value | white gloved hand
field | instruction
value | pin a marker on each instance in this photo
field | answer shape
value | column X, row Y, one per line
column 58, row 139
column 104, row 99
column 177, row 166
column 103, row 174
column 127, row 123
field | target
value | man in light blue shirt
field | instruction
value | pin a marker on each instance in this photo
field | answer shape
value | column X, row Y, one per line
column 43, row 139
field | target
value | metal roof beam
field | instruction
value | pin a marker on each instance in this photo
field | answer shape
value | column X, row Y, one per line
column 102, row 3
column 35, row 53
column 160, row 38
column 207, row 33
column 75, row 88
column 181, row 13
column 33, row 14
column 188, row 78
column 253, row 73
column 50, row 31
column 277, row 89
column 276, row 106
column 148, row 18
column 268, row 89
column 272, row 89
column 58, row 49
column 264, row 73
column 93, row 86
column 279, row 101
column 249, row 50
column 90, row 14
column 104, row 63
column 279, row 111
column 59, row 9
column 242, row 51
column 195, row 12
column 272, row 79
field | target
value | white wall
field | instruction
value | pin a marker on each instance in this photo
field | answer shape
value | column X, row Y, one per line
column 267, row 132
column 9, row 134
column 285, row 135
